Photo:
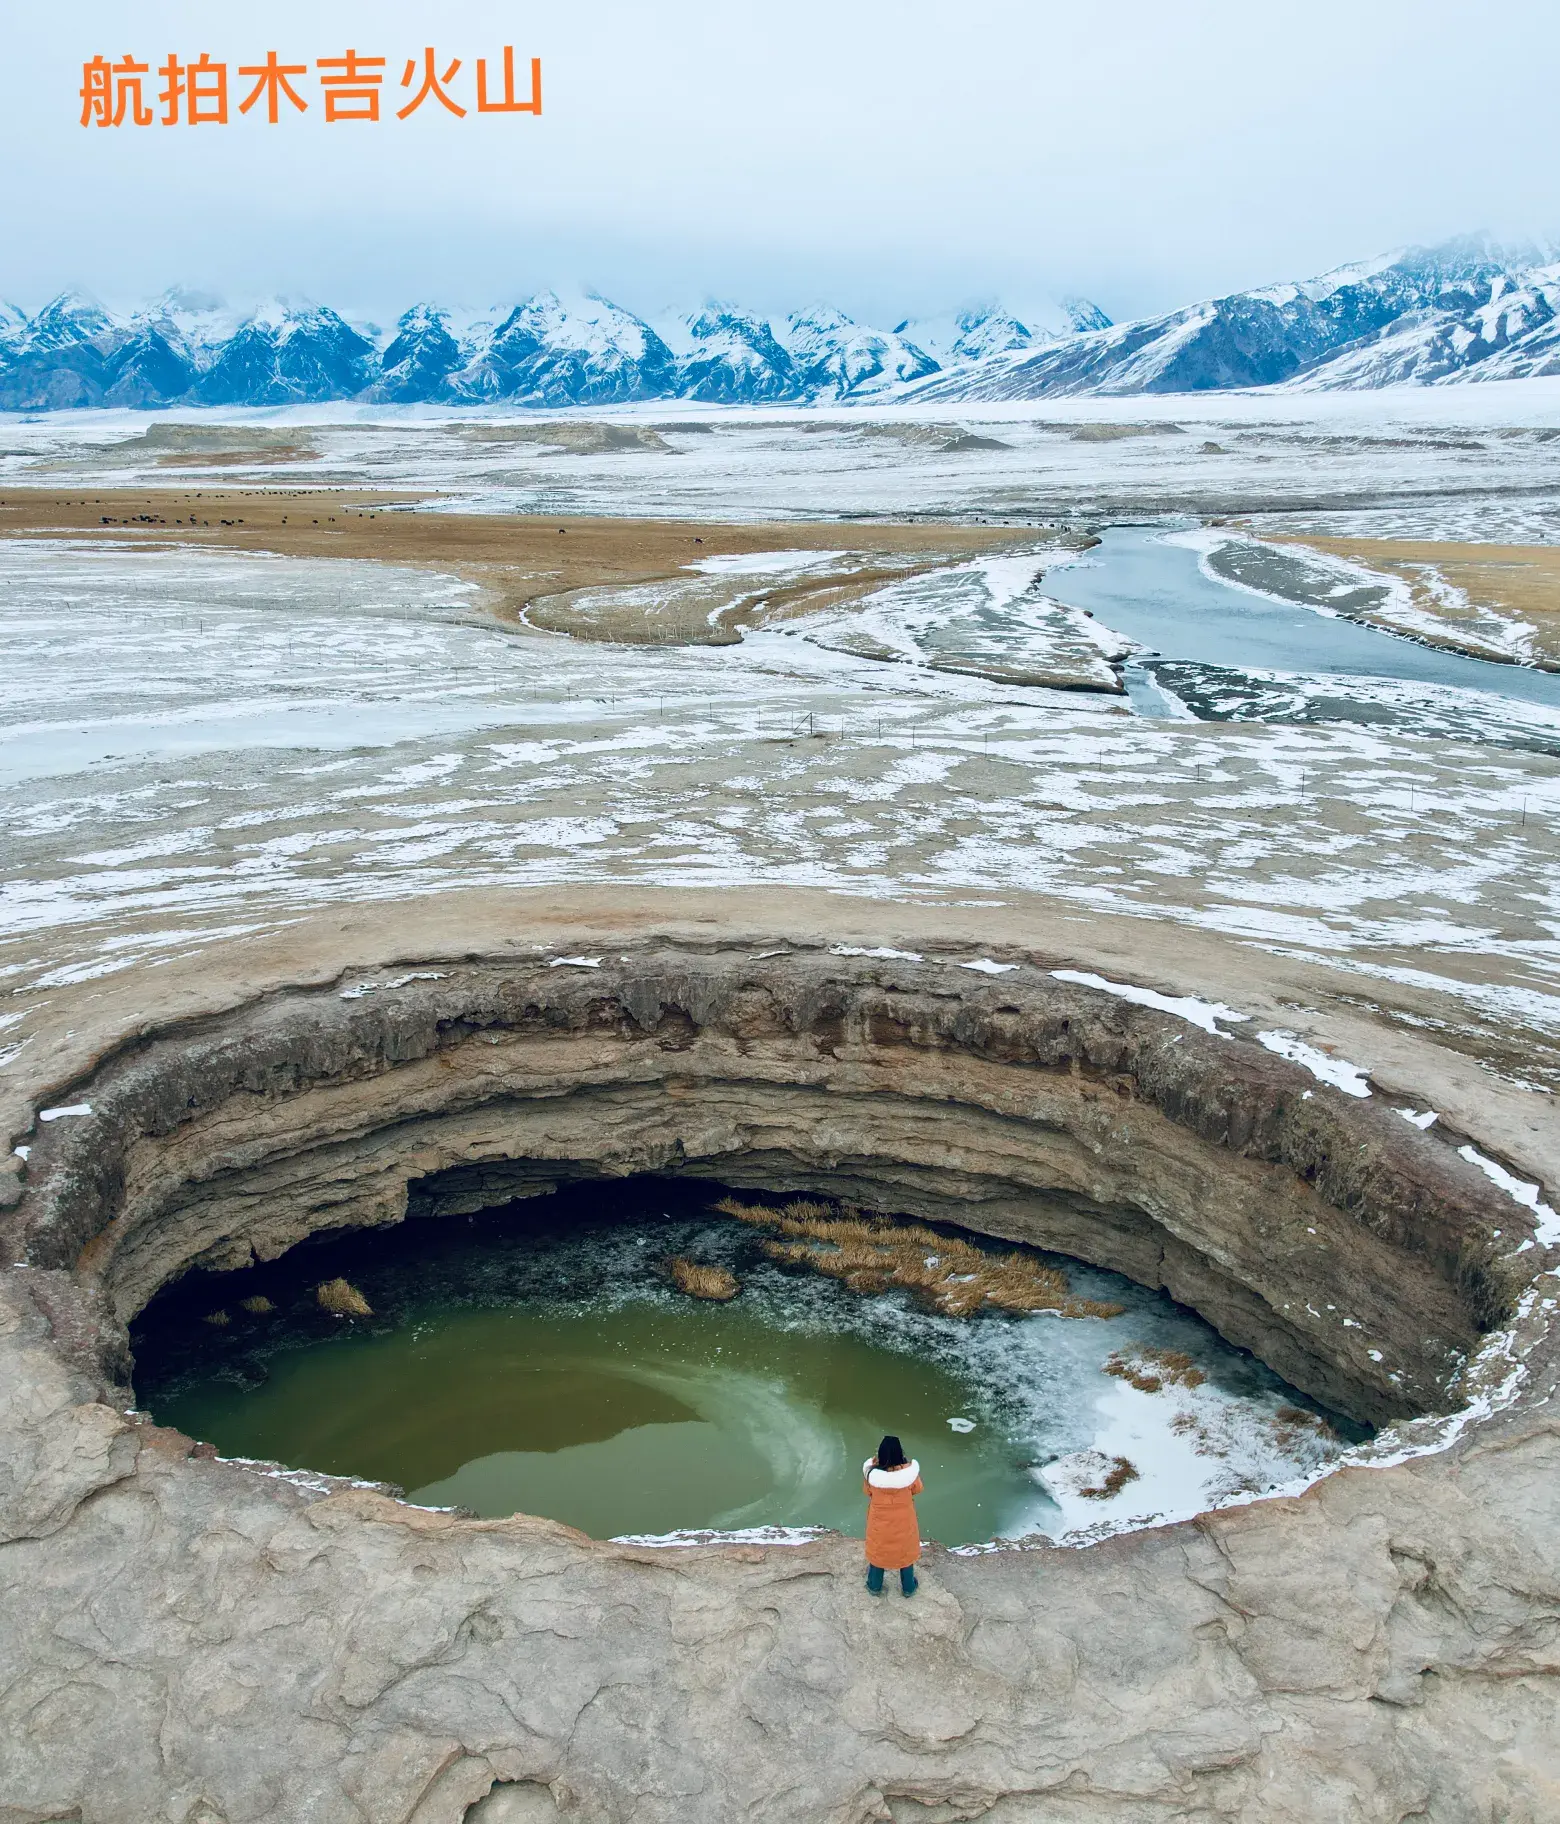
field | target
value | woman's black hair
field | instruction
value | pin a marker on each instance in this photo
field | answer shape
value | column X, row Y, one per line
column 891, row 1454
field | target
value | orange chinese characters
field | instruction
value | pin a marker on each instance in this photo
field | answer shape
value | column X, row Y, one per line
column 108, row 89
column 196, row 92
column 351, row 85
column 271, row 82
column 432, row 84
column 201, row 87
column 509, row 105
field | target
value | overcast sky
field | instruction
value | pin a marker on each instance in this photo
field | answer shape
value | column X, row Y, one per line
column 897, row 159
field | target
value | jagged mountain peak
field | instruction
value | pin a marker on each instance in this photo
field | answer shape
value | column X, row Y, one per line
column 988, row 330
column 730, row 356
column 1085, row 316
column 837, row 357
column 585, row 321
column 72, row 316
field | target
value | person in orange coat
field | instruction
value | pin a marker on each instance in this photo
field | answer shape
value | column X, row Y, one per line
column 892, row 1481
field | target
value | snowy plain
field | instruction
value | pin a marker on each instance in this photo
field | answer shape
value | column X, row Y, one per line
column 1468, row 462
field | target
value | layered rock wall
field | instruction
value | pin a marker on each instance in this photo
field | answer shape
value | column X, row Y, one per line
column 1357, row 1255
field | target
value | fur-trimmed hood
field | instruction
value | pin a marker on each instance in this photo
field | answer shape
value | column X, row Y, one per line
column 903, row 1477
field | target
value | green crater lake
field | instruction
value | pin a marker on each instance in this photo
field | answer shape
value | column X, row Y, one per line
column 639, row 1420
column 537, row 1359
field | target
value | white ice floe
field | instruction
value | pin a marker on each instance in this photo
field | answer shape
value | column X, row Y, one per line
column 58, row 1114
column 1546, row 1231
column 881, row 950
column 575, row 962
column 743, row 1535
column 1419, row 1119
column 962, row 1426
column 1350, row 1078
column 1205, row 1014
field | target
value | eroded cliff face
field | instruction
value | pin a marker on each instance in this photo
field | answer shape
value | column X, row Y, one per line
column 1358, row 1256
column 189, row 1641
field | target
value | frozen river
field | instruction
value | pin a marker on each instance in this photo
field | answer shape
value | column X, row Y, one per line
column 1214, row 649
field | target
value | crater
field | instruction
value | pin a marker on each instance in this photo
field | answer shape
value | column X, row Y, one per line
column 1353, row 1254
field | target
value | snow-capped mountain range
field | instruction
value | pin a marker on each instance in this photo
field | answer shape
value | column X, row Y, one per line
column 1466, row 311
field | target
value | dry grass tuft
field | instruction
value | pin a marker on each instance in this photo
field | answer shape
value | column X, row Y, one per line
column 342, row 1299
column 1150, row 1370
column 702, row 1281
column 1122, row 1471
column 1293, row 1428
column 874, row 1253
column 258, row 1306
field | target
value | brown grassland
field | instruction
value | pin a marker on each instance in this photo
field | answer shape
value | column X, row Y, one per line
column 516, row 559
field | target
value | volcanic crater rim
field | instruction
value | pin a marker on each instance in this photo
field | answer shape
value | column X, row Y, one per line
column 1355, row 1254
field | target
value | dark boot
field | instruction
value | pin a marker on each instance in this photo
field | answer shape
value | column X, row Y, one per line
column 907, row 1583
column 875, row 1579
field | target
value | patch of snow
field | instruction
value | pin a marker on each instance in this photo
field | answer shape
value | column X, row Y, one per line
column 359, row 989
column 1205, row 1014
column 1546, row 1231
column 882, row 950
column 58, row 1114
column 766, row 563
column 1340, row 1074
column 1415, row 1119
column 575, row 962
column 22, row 1152
column 983, row 965
column 307, row 1481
